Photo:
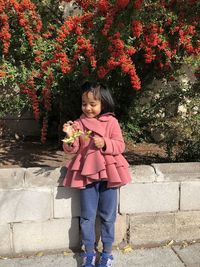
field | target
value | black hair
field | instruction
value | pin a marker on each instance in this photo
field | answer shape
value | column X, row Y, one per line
column 100, row 92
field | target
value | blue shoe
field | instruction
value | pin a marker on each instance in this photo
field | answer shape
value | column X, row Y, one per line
column 106, row 260
column 89, row 259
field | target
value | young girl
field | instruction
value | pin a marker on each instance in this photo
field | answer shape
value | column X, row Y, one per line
column 98, row 168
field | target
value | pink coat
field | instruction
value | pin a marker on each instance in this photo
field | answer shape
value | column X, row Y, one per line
column 92, row 164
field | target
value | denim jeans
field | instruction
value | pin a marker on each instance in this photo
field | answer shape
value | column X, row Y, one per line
column 97, row 197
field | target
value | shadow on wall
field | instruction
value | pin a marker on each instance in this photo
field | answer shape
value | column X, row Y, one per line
column 69, row 209
column 72, row 209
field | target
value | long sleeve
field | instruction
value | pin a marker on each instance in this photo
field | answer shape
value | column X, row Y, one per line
column 72, row 148
column 114, row 143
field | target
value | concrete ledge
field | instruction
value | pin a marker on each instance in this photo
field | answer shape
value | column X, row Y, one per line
column 46, row 176
column 12, row 178
column 143, row 174
column 157, row 228
column 160, row 204
column 177, row 171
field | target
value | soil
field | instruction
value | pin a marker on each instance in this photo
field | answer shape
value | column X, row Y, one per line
column 31, row 153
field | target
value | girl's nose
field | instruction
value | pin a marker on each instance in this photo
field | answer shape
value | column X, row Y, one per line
column 87, row 108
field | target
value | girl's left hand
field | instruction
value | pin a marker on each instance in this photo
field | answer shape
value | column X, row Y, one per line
column 68, row 128
column 99, row 142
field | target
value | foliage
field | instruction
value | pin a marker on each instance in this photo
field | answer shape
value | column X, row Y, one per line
column 169, row 113
column 12, row 102
column 125, row 43
column 189, row 152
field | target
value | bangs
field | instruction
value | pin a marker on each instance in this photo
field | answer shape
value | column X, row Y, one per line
column 101, row 93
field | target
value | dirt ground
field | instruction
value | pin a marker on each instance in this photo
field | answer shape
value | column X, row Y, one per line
column 31, row 153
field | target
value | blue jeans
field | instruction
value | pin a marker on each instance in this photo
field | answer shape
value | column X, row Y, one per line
column 97, row 197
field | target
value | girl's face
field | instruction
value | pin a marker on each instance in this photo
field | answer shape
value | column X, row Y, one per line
column 91, row 106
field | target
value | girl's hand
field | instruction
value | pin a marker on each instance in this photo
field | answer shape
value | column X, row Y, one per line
column 68, row 128
column 99, row 142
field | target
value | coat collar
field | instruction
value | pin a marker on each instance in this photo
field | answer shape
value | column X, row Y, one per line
column 95, row 124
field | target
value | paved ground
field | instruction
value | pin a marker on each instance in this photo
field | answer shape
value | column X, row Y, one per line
column 168, row 256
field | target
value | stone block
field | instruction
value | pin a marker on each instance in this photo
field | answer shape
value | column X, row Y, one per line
column 5, row 240
column 177, row 171
column 149, row 197
column 187, row 225
column 190, row 197
column 25, row 205
column 142, row 173
column 45, row 176
column 120, row 229
column 66, row 202
column 155, row 228
column 49, row 235
column 12, row 178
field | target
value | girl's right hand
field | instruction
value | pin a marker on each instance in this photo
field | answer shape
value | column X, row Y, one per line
column 68, row 128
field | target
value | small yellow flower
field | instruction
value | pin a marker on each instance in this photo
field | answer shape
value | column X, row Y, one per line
column 127, row 249
column 71, row 139
column 87, row 135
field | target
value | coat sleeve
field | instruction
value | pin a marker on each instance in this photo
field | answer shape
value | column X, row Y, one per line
column 114, row 143
column 71, row 148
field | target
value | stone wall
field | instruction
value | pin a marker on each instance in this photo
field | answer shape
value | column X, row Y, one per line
column 161, row 204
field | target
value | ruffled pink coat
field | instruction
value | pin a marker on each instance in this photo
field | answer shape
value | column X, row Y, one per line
column 92, row 164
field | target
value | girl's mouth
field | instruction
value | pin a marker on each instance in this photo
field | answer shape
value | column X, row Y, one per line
column 89, row 114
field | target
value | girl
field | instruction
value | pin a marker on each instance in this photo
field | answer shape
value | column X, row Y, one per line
column 98, row 168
